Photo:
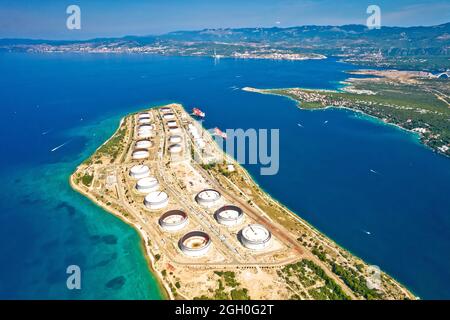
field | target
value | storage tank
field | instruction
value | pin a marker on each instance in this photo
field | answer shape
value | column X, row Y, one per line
column 175, row 139
column 229, row 215
column 208, row 198
column 175, row 148
column 143, row 144
column 255, row 237
column 156, row 200
column 169, row 116
column 173, row 220
column 147, row 185
column 139, row 172
column 140, row 154
column 195, row 243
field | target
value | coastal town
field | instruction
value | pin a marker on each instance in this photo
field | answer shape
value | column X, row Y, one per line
column 208, row 230
column 413, row 100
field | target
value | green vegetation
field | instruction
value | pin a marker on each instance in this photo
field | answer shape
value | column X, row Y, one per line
column 239, row 294
column 229, row 277
column 306, row 274
column 87, row 179
column 422, row 103
column 355, row 282
column 228, row 288
column 113, row 146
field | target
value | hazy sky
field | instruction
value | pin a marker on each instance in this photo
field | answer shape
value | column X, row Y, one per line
column 106, row 18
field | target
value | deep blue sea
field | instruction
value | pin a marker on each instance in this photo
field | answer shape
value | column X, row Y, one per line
column 76, row 100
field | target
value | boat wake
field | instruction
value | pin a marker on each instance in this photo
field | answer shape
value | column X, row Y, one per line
column 60, row 146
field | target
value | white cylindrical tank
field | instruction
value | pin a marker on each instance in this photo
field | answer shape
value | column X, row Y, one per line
column 173, row 220
column 144, row 115
column 166, row 110
column 169, row 116
column 144, row 120
column 140, row 154
column 145, row 127
column 175, row 139
column 156, row 200
column 229, row 215
column 174, row 130
column 195, row 243
column 255, row 237
column 147, row 185
column 172, row 124
column 144, row 134
column 208, row 198
column 175, row 148
column 143, row 144
column 139, row 172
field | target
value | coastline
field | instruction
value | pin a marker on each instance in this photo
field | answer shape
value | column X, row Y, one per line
column 268, row 91
column 164, row 286
column 315, row 230
column 164, row 291
column 149, row 257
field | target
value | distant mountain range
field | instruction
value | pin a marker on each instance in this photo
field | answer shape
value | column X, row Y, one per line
column 431, row 43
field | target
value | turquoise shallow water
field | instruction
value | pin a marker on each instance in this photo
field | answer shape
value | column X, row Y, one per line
column 77, row 101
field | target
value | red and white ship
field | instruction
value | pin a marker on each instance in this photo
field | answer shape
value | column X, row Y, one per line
column 197, row 112
column 220, row 133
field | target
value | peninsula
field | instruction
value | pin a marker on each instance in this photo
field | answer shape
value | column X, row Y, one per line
column 208, row 230
column 413, row 100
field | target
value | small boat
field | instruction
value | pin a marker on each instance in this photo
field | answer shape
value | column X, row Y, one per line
column 220, row 133
column 197, row 112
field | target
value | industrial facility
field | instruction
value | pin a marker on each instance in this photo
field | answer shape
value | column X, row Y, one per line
column 140, row 154
column 208, row 198
column 229, row 215
column 175, row 148
column 143, row 144
column 255, row 237
column 173, row 220
column 139, row 172
column 147, row 185
column 156, row 200
column 195, row 243
column 175, row 139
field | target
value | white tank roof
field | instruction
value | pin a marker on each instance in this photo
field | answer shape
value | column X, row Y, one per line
column 174, row 130
column 139, row 171
column 148, row 182
column 144, row 144
column 156, row 200
column 169, row 116
column 175, row 148
column 175, row 139
column 144, row 120
column 140, row 154
column 208, row 197
column 255, row 237
column 166, row 109
column 147, row 185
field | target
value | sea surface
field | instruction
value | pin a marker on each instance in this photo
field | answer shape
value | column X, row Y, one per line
column 371, row 187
